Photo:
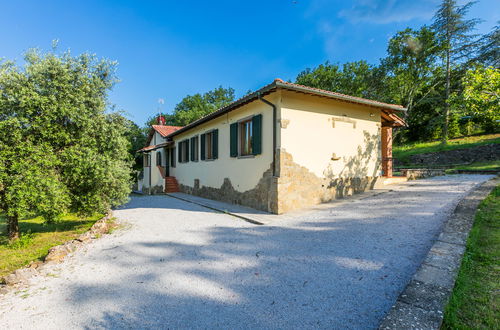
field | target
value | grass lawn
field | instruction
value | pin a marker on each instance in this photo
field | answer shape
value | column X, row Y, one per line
column 37, row 238
column 493, row 165
column 475, row 301
column 402, row 153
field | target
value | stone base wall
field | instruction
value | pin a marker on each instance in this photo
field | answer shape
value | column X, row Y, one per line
column 299, row 188
column 262, row 197
column 295, row 188
column 153, row 190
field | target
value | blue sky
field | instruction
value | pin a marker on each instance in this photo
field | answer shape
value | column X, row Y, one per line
column 169, row 49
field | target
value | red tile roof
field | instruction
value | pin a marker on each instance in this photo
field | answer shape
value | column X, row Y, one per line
column 342, row 96
column 165, row 130
column 279, row 83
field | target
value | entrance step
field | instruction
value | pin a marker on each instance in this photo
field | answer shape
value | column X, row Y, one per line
column 171, row 184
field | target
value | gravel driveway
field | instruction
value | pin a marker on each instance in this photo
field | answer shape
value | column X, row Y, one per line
column 179, row 265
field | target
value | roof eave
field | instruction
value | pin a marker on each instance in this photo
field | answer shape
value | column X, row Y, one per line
column 341, row 97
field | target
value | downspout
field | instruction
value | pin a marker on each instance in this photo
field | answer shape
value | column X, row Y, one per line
column 149, row 162
column 274, row 130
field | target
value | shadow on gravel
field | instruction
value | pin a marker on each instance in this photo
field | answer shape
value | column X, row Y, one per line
column 337, row 268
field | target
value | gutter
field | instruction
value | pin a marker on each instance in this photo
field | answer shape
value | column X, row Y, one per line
column 259, row 95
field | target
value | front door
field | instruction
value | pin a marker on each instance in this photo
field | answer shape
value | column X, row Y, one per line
column 167, row 162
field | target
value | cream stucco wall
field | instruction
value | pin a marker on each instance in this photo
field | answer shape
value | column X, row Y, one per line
column 316, row 129
column 157, row 179
column 244, row 173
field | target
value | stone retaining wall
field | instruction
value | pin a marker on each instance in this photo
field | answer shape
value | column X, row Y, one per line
column 57, row 253
column 419, row 173
column 489, row 152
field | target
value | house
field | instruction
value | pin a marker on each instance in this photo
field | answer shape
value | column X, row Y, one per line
column 283, row 147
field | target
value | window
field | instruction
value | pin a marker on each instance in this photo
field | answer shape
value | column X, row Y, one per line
column 158, row 158
column 210, row 145
column 245, row 128
column 147, row 159
column 246, row 137
column 184, row 151
column 194, row 149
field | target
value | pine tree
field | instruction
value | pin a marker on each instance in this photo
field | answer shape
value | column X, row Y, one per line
column 458, row 44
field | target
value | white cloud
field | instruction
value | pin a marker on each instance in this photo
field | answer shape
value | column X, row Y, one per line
column 391, row 11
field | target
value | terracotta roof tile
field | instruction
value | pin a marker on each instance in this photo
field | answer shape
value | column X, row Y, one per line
column 165, row 130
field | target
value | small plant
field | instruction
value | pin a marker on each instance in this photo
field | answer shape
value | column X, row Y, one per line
column 23, row 241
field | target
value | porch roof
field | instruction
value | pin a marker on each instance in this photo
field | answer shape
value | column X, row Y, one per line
column 156, row 146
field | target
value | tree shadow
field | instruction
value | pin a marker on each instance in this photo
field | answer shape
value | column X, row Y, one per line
column 335, row 268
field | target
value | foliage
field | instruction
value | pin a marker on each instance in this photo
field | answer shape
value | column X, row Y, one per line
column 475, row 303
column 454, row 36
column 354, row 78
column 137, row 139
column 489, row 50
column 411, row 64
column 37, row 237
column 60, row 149
column 480, row 98
column 193, row 107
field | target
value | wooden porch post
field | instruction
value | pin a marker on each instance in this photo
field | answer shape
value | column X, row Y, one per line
column 387, row 151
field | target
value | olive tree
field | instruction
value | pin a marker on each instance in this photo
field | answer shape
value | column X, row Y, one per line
column 61, row 149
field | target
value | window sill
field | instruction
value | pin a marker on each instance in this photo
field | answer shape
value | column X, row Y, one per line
column 246, row 156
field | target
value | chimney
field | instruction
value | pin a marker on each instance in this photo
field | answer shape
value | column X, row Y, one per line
column 161, row 120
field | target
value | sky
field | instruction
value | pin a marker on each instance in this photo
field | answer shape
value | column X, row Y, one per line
column 170, row 49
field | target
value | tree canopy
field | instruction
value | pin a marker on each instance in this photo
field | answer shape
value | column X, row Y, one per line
column 60, row 149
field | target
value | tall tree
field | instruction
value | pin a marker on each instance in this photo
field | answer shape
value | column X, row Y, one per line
column 454, row 34
column 60, row 149
column 411, row 64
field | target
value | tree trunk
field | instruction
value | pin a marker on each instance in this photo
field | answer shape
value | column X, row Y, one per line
column 13, row 227
column 447, row 97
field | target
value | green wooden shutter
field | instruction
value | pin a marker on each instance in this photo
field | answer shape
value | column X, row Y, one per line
column 203, row 147
column 257, row 135
column 179, row 152
column 233, row 143
column 215, row 144
column 187, row 150
column 192, row 149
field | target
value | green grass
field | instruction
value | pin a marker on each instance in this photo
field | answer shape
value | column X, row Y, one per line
column 480, row 166
column 475, row 301
column 402, row 153
column 37, row 238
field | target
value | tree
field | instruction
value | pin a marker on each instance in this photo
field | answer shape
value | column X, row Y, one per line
column 410, row 65
column 453, row 32
column 355, row 78
column 60, row 150
column 480, row 98
column 193, row 107
column 137, row 139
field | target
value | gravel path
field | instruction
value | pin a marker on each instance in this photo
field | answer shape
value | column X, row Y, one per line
column 178, row 265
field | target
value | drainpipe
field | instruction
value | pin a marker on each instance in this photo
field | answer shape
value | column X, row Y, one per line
column 274, row 130
column 149, row 161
